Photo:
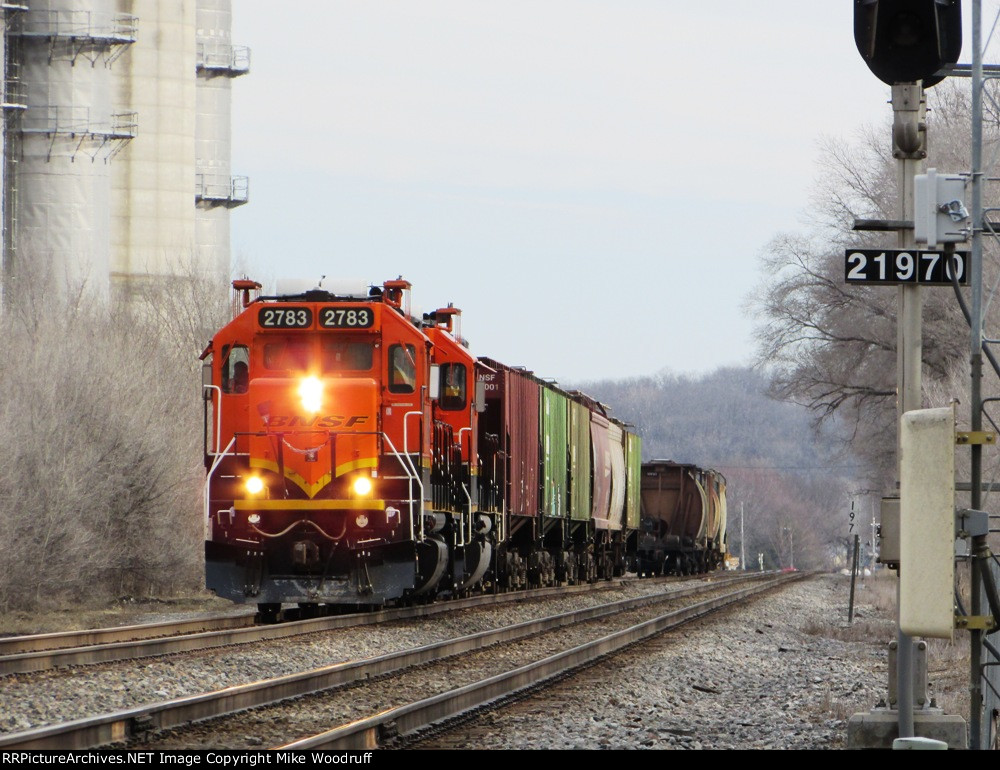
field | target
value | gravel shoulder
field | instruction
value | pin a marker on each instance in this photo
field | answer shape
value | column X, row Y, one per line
column 781, row 672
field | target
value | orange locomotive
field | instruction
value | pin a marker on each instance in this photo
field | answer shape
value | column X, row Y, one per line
column 343, row 460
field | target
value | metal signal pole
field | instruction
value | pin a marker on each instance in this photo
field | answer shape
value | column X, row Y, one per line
column 976, row 359
column 907, row 44
column 910, row 148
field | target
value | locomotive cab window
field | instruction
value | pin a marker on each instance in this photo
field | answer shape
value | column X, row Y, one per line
column 402, row 368
column 452, row 387
column 287, row 355
column 340, row 356
column 236, row 370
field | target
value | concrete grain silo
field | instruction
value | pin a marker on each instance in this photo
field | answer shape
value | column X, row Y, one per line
column 217, row 190
column 153, row 178
column 117, row 164
column 13, row 103
column 60, row 147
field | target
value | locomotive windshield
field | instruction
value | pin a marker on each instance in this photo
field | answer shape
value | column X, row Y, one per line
column 331, row 356
column 287, row 355
column 340, row 356
column 452, row 386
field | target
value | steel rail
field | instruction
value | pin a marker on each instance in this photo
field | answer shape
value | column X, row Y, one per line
column 59, row 640
column 119, row 644
column 119, row 726
column 377, row 730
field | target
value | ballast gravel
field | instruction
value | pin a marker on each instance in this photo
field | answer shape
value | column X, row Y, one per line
column 782, row 671
column 44, row 698
column 768, row 675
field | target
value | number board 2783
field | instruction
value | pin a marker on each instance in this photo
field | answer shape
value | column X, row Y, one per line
column 285, row 317
column 895, row 266
column 335, row 317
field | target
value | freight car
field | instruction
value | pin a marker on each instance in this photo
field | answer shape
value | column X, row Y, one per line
column 683, row 521
column 357, row 455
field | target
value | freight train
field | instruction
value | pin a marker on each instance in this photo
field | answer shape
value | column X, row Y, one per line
column 358, row 455
column 683, row 527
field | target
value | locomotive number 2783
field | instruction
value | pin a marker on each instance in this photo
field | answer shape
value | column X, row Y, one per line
column 350, row 317
column 285, row 317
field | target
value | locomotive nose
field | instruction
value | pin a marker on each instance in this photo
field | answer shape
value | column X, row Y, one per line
column 313, row 429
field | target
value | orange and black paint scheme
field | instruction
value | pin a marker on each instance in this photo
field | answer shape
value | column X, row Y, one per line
column 359, row 456
column 335, row 474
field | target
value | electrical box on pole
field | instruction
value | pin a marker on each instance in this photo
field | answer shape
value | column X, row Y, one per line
column 939, row 212
column 903, row 41
column 927, row 523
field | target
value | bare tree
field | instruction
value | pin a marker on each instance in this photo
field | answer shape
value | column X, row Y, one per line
column 832, row 347
column 101, row 424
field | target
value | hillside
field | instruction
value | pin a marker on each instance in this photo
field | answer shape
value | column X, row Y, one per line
column 792, row 484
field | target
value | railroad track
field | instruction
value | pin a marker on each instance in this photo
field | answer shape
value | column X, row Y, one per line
column 489, row 665
column 38, row 652
column 26, row 654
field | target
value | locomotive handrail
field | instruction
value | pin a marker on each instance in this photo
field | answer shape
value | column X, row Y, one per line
column 208, row 478
column 464, row 489
column 412, row 476
column 468, row 497
column 406, row 452
column 218, row 416
column 406, row 441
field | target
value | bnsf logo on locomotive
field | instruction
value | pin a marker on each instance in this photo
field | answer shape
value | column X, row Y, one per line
column 329, row 421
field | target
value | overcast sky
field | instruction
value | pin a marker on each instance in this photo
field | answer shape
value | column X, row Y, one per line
column 591, row 181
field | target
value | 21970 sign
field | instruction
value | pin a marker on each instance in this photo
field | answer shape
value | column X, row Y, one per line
column 893, row 266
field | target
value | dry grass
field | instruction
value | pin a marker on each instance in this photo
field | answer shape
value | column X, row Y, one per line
column 948, row 674
column 839, row 708
column 874, row 610
column 105, row 615
column 875, row 622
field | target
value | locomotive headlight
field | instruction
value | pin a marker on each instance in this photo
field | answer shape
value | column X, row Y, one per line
column 362, row 486
column 254, row 485
column 311, row 393
column 361, row 520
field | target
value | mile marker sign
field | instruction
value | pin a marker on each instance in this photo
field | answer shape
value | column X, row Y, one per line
column 895, row 266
